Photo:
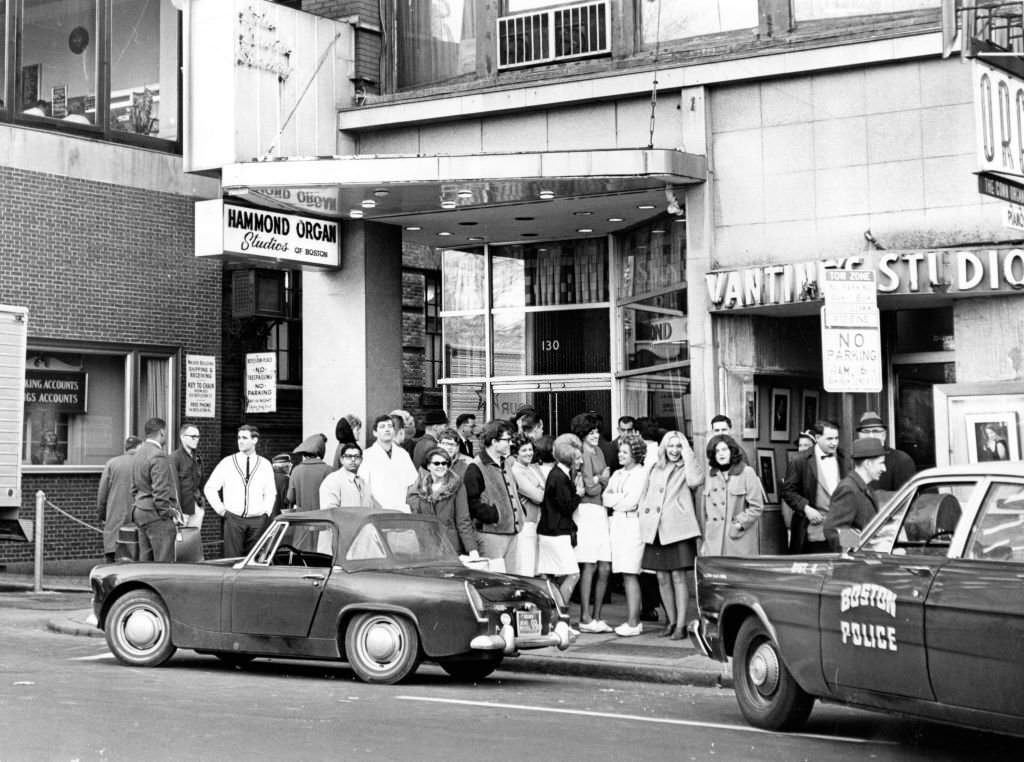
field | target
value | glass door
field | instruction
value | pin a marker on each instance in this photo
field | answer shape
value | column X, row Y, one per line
column 556, row 402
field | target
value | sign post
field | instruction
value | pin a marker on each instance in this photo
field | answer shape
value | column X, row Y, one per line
column 851, row 345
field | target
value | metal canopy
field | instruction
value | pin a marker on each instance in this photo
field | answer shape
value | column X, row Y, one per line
column 478, row 197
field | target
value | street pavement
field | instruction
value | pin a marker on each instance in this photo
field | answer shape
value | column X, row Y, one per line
column 647, row 657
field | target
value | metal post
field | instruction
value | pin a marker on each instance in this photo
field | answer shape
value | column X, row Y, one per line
column 38, row 570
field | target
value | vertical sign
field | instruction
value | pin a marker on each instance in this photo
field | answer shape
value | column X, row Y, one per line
column 200, row 386
column 261, row 382
column 851, row 345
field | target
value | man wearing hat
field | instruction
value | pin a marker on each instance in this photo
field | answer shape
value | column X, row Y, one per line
column 115, row 496
column 853, row 502
column 899, row 466
column 434, row 422
column 304, row 483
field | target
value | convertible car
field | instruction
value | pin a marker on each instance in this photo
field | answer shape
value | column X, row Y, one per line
column 922, row 614
column 382, row 591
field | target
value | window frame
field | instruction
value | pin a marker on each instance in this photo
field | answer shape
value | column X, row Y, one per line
column 133, row 356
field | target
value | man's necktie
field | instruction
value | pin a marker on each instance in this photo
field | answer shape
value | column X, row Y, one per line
column 247, row 468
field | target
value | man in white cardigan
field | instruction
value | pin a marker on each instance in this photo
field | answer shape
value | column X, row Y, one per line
column 242, row 491
column 387, row 471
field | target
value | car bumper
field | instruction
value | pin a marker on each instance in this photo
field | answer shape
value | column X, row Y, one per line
column 699, row 639
column 506, row 641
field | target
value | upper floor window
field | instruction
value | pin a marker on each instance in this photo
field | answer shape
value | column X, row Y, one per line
column 103, row 67
column 662, row 20
column 436, row 40
column 804, row 10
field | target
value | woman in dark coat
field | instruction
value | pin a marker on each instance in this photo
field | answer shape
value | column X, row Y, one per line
column 439, row 492
column 555, row 555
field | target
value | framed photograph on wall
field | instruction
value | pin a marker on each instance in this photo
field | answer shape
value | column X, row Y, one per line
column 780, row 415
column 992, row 436
column 750, row 427
column 766, row 470
column 808, row 409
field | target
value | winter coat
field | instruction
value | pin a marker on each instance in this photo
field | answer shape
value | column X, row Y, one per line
column 449, row 505
column 730, row 496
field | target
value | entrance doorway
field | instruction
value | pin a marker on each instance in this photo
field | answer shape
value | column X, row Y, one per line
column 556, row 402
column 915, row 408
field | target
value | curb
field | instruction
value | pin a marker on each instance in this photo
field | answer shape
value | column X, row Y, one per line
column 679, row 673
column 70, row 625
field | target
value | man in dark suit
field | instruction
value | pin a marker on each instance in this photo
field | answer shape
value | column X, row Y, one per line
column 899, row 466
column 155, row 488
column 811, row 478
column 853, row 502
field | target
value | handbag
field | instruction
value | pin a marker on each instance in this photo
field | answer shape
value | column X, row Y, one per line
column 188, row 545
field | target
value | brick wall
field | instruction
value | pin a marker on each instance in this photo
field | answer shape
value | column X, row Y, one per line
column 102, row 263
column 367, row 42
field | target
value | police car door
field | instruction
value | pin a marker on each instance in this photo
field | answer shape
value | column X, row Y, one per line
column 872, row 606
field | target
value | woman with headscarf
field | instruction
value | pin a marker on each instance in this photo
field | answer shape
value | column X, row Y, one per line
column 669, row 526
column 439, row 492
column 733, row 502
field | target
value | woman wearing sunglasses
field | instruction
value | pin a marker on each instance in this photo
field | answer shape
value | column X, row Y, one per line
column 439, row 492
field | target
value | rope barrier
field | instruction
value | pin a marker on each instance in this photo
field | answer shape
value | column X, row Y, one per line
column 73, row 518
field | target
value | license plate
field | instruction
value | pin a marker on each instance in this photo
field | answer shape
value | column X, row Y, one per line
column 528, row 624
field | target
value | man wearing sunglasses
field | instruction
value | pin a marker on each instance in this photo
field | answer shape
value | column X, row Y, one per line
column 189, row 468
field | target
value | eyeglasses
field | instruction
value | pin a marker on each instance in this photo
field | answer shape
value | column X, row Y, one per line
column 439, row 463
column 191, row 436
column 351, row 456
column 504, row 439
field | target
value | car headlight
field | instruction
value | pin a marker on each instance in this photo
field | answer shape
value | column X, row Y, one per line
column 556, row 594
column 476, row 602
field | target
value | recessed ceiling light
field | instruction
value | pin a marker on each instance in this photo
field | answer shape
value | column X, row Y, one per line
column 645, row 206
column 584, row 230
column 528, row 235
column 413, row 228
column 468, row 224
column 546, row 195
column 444, row 233
column 356, row 214
column 382, row 193
column 615, row 219
column 465, row 193
column 680, row 220
column 448, row 204
column 475, row 238
column 524, row 219
column 657, row 231
column 368, row 203
column 582, row 214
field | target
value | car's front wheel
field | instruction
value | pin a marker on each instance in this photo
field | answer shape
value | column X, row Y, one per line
column 471, row 670
column 768, row 695
column 382, row 647
column 138, row 629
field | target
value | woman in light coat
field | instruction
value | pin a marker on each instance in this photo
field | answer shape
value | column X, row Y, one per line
column 669, row 526
column 530, row 485
column 622, row 498
column 733, row 502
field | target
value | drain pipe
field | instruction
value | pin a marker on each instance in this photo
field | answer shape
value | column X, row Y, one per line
column 37, row 573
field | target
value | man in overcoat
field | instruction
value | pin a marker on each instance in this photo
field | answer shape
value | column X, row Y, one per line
column 811, row 478
column 853, row 503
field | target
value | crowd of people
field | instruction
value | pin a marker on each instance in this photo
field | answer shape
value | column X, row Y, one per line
column 574, row 508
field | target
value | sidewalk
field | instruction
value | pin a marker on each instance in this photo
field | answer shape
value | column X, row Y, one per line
column 647, row 657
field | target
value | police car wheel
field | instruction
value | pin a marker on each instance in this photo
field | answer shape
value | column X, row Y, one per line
column 767, row 694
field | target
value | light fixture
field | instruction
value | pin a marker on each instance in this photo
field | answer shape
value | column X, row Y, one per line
column 465, row 193
column 368, row 203
column 475, row 238
column 584, row 230
column 657, row 231
column 645, row 206
column 468, row 223
column 524, row 219
column 444, row 233
column 448, row 204
column 382, row 193
column 356, row 214
column 615, row 219
column 413, row 228
column 546, row 195
column 582, row 214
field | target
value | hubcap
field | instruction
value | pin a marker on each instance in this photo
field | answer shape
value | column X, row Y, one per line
column 142, row 629
column 382, row 642
column 763, row 669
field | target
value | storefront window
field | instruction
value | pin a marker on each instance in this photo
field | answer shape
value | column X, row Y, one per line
column 464, row 342
column 804, row 10
column 144, row 68
column 664, row 21
column 436, row 41
column 464, row 286
column 570, row 272
column 543, row 343
column 110, row 65
column 663, row 396
column 76, row 403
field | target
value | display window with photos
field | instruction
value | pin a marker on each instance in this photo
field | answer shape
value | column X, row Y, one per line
column 651, row 295
column 80, row 404
column 105, row 67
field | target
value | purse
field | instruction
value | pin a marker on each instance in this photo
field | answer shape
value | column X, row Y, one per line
column 188, row 545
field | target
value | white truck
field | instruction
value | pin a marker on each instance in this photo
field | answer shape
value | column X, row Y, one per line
column 13, row 343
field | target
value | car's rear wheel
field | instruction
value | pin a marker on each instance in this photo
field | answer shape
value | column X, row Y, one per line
column 471, row 670
column 138, row 629
column 768, row 695
column 382, row 647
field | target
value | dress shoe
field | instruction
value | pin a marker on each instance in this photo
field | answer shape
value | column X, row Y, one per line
column 679, row 633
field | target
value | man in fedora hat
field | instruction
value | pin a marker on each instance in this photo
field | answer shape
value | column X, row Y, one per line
column 434, row 422
column 304, row 482
column 899, row 466
column 853, row 502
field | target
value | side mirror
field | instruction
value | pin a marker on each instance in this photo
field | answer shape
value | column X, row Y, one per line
column 848, row 538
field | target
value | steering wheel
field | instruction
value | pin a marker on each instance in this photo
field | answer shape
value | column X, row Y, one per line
column 295, row 554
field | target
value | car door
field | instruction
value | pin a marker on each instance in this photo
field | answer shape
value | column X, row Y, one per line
column 974, row 615
column 277, row 591
column 872, row 614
